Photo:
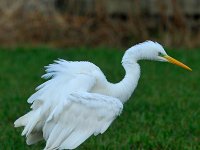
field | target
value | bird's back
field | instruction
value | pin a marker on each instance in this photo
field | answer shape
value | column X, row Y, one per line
column 69, row 68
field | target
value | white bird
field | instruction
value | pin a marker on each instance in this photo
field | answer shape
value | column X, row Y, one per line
column 78, row 101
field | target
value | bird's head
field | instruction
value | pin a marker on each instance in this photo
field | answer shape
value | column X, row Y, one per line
column 150, row 51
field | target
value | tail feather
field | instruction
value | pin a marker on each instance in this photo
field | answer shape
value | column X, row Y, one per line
column 33, row 120
column 22, row 121
column 31, row 123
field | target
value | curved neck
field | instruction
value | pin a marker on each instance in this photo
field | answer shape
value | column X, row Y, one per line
column 132, row 55
column 125, row 88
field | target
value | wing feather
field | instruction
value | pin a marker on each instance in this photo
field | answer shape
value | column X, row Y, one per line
column 86, row 114
column 65, row 75
column 64, row 112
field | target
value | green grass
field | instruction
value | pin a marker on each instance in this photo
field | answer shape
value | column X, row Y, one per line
column 163, row 113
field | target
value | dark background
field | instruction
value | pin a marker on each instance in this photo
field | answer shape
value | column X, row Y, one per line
column 65, row 23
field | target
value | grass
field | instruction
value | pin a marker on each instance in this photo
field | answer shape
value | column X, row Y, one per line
column 163, row 113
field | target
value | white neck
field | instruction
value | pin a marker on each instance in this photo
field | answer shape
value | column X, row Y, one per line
column 125, row 88
column 147, row 50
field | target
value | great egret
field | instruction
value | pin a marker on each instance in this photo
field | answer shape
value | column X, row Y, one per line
column 78, row 101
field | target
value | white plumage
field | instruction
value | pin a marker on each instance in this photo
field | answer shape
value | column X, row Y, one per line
column 77, row 101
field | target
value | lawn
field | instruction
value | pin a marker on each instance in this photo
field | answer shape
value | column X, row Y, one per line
column 163, row 113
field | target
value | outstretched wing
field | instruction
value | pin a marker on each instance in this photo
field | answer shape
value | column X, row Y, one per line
column 78, row 117
column 66, row 77
column 64, row 112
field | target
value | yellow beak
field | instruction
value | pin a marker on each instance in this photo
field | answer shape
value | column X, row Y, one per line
column 176, row 62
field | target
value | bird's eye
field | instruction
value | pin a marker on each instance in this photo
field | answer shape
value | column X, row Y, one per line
column 160, row 54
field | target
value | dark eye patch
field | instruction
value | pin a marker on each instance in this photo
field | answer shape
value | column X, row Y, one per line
column 160, row 54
